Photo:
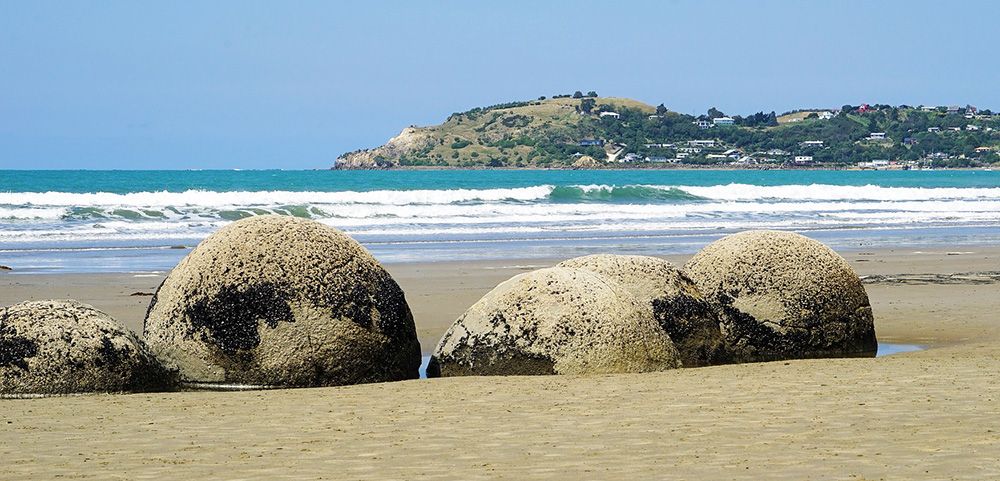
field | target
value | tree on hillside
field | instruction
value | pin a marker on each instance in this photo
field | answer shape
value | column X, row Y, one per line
column 541, row 98
column 714, row 113
column 586, row 105
column 661, row 109
column 578, row 94
column 591, row 94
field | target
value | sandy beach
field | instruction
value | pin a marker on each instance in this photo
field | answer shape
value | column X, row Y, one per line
column 933, row 414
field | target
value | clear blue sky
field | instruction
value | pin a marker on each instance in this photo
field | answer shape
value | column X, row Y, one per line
column 240, row 84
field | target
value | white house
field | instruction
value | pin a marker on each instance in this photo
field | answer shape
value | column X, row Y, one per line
column 803, row 159
column 934, row 130
column 611, row 114
column 723, row 121
column 701, row 143
column 971, row 127
column 703, row 124
column 876, row 136
column 825, row 115
column 812, row 143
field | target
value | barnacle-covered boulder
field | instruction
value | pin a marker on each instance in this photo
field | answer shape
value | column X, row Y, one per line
column 554, row 321
column 678, row 306
column 781, row 295
column 67, row 347
column 282, row 301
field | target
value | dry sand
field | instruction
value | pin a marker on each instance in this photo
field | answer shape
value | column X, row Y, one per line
column 933, row 414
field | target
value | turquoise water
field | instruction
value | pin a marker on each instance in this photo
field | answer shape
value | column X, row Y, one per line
column 58, row 221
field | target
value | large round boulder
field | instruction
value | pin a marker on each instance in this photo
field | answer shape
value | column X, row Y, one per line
column 554, row 321
column 281, row 301
column 67, row 347
column 781, row 295
column 677, row 305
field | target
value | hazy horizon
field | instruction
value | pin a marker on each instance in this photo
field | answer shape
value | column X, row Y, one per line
column 119, row 85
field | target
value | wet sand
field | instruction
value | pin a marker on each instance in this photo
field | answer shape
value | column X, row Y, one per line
column 933, row 414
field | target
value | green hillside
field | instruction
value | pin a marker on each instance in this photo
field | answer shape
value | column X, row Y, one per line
column 591, row 131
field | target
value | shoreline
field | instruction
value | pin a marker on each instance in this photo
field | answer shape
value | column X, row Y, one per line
column 897, row 281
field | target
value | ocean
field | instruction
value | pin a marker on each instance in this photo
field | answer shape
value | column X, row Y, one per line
column 145, row 221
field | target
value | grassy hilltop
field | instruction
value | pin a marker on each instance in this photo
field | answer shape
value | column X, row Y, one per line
column 591, row 131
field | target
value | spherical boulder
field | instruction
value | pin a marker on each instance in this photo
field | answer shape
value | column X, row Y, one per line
column 67, row 347
column 677, row 305
column 281, row 301
column 781, row 295
column 554, row 321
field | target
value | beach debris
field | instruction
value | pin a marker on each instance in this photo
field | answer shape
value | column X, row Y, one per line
column 282, row 301
column 67, row 347
column 140, row 293
column 780, row 295
column 677, row 304
column 5, row 268
column 968, row 278
column 557, row 320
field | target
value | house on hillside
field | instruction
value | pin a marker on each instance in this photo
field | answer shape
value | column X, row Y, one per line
column 614, row 115
column 701, row 143
column 591, row 143
column 971, row 127
column 876, row 136
column 934, row 130
column 825, row 115
column 803, row 159
column 723, row 121
column 703, row 124
column 953, row 109
column 812, row 143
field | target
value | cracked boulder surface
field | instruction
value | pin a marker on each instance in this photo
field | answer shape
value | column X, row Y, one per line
column 557, row 320
column 780, row 295
column 282, row 301
column 67, row 347
column 677, row 304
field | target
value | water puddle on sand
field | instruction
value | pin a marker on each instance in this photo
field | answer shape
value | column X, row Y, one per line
column 423, row 366
column 887, row 349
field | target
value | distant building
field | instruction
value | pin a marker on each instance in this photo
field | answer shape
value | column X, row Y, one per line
column 983, row 150
column 803, row 159
column 723, row 121
column 812, row 143
column 934, row 130
column 631, row 157
column 701, row 143
column 825, row 115
column 863, row 108
column 876, row 136
column 971, row 127
column 591, row 142
column 611, row 114
column 777, row 152
column 954, row 109
column 910, row 141
column 656, row 159
column 703, row 124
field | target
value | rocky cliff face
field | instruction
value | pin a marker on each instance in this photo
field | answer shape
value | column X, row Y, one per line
column 410, row 140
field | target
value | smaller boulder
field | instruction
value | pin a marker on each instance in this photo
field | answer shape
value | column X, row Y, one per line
column 67, row 347
column 554, row 321
column 677, row 305
column 781, row 295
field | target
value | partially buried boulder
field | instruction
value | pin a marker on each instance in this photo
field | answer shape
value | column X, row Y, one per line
column 67, row 347
column 781, row 295
column 554, row 321
column 677, row 305
column 282, row 301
